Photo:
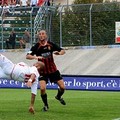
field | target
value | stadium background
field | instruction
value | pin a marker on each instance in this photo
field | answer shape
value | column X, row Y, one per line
column 100, row 58
column 86, row 31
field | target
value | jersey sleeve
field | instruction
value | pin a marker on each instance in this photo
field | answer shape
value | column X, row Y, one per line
column 56, row 47
column 33, row 50
column 33, row 70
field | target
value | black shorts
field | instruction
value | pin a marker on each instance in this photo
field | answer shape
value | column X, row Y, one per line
column 53, row 77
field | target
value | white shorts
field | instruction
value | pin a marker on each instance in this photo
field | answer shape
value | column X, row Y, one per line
column 34, row 87
column 6, row 66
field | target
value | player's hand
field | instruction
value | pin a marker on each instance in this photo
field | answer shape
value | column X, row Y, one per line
column 39, row 58
column 29, row 84
column 56, row 53
column 31, row 110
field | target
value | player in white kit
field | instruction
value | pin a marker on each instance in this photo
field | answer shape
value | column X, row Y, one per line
column 22, row 72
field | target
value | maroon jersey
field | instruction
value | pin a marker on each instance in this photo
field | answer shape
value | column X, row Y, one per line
column 0, row 2
column 47, row 53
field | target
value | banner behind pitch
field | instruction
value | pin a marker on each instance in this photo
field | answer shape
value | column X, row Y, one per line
column 75, row 83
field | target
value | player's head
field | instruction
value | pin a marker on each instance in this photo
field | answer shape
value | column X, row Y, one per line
column 39, row 65
column 42, row 35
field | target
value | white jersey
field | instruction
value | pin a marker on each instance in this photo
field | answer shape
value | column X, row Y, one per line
column 33, row 2
column 24, row 2
column 22, row 72
column 18, row 72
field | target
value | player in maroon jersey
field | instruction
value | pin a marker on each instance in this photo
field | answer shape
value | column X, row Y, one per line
column 43, row 51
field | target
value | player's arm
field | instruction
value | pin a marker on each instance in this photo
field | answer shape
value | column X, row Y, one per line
column 31, row 57
column 61, row 52
column 31, row 80
column 57, row 50
column 32, row 54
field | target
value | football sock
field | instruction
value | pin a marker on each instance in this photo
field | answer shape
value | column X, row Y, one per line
column 60, row 93
column 44, row 99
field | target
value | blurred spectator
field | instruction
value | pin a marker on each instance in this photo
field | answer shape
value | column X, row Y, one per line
column 28, row 2
column 13, row 2
column 33, row 3
column 5, row 2
column 6, row 10
column 17, row 3
column 0, row 10
column 24, row 3
column 47, row 2
column 12, row 5
column 40, row 2
column 25, row 40
column 1, row 3
column 11, row 40
column 43, row 2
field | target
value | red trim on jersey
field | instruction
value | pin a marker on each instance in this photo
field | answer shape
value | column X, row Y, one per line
column 50, row 66
column 53, row 67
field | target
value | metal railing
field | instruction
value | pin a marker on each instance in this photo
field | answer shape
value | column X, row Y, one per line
column 19, row 14
column 2, row 27
column 76, row 25
column 86, row 24
column 39, row 20
column 43, row 19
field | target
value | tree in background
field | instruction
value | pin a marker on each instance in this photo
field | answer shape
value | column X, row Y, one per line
column 87, row 1
column 55, row 26
column 76, row 23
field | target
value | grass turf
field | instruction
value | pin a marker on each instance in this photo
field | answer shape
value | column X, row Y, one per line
column 81, row 105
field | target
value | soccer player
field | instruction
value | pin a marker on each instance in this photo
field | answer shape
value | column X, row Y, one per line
column 43, row 51
column 22, row 72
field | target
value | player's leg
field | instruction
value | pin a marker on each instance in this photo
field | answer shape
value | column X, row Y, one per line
column 22, row 42
column 3, row 75
column 56, row 77
column 43, row 93
column 13, row 44
column 31, row 108
column 61, row 91
column 33, row 95
column 6, row 64
column 7, row 44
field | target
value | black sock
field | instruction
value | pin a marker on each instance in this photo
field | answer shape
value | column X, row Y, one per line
column 44, row 99
column 60, row 93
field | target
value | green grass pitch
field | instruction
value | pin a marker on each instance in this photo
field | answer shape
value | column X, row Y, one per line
column 81, row 105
